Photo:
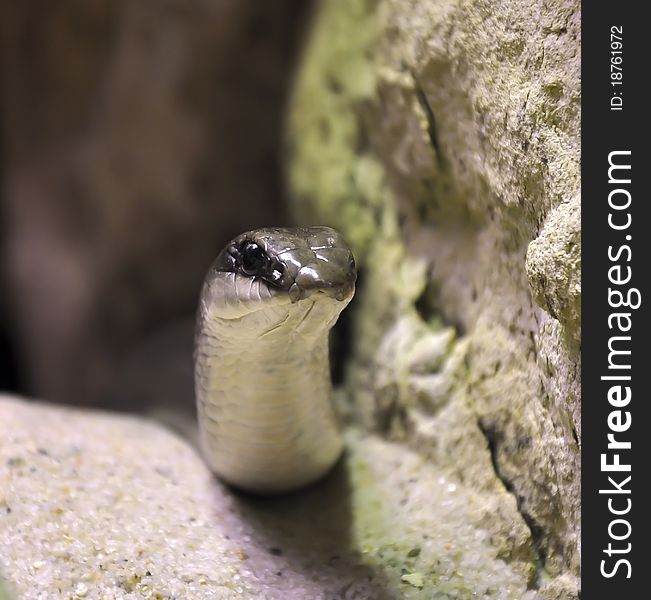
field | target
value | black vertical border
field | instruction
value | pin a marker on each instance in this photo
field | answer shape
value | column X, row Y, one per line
column 604, row 131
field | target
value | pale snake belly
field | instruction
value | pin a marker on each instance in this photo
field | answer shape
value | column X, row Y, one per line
column 262, row 377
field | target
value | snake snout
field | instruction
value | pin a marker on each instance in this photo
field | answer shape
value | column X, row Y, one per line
column 326, row 277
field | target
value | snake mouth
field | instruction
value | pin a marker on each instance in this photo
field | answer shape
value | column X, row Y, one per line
column 340, row 293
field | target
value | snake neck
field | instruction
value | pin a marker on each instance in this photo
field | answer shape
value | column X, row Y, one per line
column 264, row 392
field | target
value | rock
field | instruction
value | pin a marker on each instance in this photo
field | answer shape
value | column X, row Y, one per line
column 4, row 592
column 100, row 505
column 560, row 588
column 443, row 139
column 554, row 268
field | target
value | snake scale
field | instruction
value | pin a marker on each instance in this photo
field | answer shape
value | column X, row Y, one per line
column 262, row 376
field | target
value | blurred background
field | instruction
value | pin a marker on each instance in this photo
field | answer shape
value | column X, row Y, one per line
column 136, row 138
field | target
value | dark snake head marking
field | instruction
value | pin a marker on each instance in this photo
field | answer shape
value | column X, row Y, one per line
column 299, row 261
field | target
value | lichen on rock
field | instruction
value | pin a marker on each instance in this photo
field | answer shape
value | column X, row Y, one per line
column 554, row 268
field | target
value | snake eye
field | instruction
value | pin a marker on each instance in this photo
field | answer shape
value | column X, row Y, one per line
column 253, row 259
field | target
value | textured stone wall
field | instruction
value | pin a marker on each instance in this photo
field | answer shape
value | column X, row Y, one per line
column 442, row 137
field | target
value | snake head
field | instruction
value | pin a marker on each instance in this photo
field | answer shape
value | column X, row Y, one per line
column 298, row 261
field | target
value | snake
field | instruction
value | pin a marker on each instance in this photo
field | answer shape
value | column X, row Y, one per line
column 267, row 423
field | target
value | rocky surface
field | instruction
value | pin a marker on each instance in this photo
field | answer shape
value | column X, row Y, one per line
column 442, row 138
column 98, row 505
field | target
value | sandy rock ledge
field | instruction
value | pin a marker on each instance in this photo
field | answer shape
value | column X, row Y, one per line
column 98, row 505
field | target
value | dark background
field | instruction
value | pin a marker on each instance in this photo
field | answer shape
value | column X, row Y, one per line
column 136, row 138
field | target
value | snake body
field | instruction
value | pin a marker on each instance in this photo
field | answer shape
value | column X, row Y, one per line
column 262, row 378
